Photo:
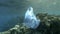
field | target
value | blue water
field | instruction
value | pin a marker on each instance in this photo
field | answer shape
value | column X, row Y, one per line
column 5, row 22
column 10, row 9
column 8, row 16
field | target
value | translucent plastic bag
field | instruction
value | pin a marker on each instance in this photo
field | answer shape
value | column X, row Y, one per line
column 30, row 19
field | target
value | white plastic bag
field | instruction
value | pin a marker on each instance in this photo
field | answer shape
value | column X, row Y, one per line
column 30, row 19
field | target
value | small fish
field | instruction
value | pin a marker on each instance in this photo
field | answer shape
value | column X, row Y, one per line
column 30, row 19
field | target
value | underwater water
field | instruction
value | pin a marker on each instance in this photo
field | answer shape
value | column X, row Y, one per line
column 10, row 9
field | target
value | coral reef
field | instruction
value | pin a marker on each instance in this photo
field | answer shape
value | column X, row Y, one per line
column 50, row 24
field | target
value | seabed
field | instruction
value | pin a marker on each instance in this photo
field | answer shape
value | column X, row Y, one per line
column 50, row 24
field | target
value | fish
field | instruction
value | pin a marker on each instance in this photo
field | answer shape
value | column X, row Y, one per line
column 30, row 19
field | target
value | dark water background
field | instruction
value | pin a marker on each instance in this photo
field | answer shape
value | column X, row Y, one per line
column 10, row 9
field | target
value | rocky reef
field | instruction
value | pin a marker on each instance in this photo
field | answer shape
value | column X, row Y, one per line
column 50, row 24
